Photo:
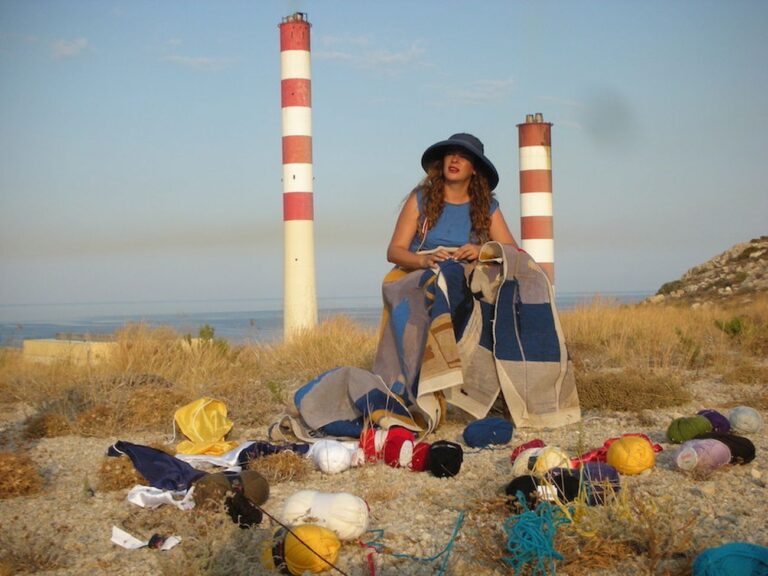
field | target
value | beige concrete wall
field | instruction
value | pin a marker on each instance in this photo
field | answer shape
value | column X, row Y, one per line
column 76, row 351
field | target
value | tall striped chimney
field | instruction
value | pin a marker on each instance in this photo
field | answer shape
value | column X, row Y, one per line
column 299, row 293
column 536, row 230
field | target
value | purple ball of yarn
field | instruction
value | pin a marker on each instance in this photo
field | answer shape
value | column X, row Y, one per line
column 602, row 480
column 720, row 422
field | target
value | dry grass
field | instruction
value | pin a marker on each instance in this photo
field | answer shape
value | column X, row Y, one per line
column 155, row 371
column 118, row 474
column 23, row 551
column 281, row 467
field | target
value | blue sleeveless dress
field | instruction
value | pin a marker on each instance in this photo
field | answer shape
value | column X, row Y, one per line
column 453, row 228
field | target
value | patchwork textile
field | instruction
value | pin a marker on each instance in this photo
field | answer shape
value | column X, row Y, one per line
column 465, row 333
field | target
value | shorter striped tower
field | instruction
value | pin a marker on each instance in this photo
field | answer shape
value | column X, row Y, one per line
column 299, row 292
column 536, row 230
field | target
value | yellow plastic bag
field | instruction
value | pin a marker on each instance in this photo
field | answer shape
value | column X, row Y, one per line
column 205, row 423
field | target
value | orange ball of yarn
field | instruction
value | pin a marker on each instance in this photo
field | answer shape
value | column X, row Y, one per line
column 631, row 455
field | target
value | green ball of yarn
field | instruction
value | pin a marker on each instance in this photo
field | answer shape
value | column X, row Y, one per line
column 682, row 429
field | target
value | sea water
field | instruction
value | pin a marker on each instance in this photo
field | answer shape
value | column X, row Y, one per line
column 237, row 321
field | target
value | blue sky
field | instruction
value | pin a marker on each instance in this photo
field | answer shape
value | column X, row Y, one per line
column 140, row 141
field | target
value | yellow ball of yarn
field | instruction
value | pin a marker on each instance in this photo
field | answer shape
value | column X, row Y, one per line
column 306, row 548
column 631, row 455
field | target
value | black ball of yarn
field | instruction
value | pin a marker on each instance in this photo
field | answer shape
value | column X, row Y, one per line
column 527, row 486
column 243, row 512
column 742, row 449
column 566, row 483
column 445, row 458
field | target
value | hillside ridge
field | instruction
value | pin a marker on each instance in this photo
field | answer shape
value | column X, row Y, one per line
column 737, row 273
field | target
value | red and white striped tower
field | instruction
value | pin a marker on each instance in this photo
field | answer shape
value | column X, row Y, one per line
column 299, row 293
column 536, row 231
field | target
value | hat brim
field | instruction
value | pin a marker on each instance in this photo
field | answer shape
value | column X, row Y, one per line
column 437, row 151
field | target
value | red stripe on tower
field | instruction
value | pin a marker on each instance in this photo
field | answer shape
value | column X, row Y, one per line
column 536, row 229
column 300, row 299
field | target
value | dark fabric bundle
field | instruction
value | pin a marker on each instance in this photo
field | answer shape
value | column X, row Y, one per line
column 742, row 449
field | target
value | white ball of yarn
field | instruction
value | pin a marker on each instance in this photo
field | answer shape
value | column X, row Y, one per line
column 343, row 513
column 331, row 456
column 745, row 419
column 551, row 457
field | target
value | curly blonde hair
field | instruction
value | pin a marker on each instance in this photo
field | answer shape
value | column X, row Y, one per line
column 480, row 197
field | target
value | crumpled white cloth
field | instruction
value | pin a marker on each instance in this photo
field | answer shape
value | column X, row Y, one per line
column 227, row 460
column 148, row 497
column 129, row 542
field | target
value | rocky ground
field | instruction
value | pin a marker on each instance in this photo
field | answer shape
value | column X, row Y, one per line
column 71, row 519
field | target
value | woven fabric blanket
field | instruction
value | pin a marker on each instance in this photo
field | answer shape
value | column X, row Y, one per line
column 465, row 333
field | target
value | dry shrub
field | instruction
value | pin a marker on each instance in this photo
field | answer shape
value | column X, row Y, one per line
column 281, row 467
column 25, row 550
column 99, row 421
column 150, row 409
column 630, row 390
column 46, row 425
column 483, row 538
column 118, row 474
column 18, row 476
column 627, row 526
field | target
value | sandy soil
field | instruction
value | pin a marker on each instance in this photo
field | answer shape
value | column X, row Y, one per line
column 68, row 524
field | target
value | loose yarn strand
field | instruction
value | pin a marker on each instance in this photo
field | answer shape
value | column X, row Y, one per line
column 445, row 553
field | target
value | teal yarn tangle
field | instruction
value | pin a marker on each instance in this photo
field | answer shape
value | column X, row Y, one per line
column 530, row 538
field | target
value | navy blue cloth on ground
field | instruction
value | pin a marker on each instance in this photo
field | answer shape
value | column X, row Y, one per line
column 161, row 470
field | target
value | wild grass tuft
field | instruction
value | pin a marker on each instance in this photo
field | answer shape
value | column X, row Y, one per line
column 18, row 475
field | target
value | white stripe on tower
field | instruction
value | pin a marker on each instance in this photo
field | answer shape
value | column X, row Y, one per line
column 299, row 293
column 536, row 231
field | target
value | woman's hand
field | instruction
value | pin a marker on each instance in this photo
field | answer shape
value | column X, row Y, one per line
column 468, row 253
column 431, row 260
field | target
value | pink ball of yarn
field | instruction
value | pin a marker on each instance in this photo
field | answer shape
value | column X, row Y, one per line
column 704, row 455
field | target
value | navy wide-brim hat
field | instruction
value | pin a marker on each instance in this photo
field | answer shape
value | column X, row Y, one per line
column 469, row 144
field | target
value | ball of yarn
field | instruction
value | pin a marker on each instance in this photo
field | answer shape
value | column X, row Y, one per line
column 535, row 443
column 215, row 488
column 631, row 455
column 526, row 486
column 445, row 458
column 742, row 449
column 331, row 456
column 733, row 559
column 745, row 419
column 682, row 429
column 567, row 483
column 315, row 549
column 344, row 513
column 398, row 447
column 482, row 433
column 601, row 481
column 525, row 462
column 551, row 457
column 372, row 443
column 420, row 456
column 720, row 422
column 702, row 455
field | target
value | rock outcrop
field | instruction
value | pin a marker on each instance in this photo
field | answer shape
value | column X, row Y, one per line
column 740, row 271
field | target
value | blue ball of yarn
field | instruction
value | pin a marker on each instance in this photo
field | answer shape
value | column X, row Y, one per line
column 734, row 559
column 482, row 433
